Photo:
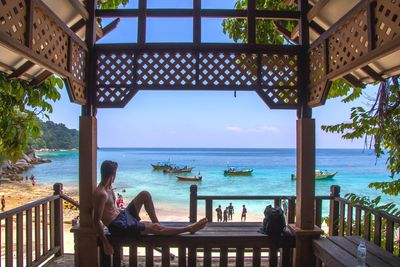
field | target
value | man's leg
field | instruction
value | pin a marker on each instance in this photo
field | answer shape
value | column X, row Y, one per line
column 156, row 228
column 144, row 199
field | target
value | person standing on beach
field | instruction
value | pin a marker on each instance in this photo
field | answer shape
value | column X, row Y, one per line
column 226, row 214
column 284, row 208
column 127, row 221
column 3, row 203
column 230, row 211
column 244, row 214
column 219, row 213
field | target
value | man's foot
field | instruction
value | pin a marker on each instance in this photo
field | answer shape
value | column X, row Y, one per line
column 198, row 225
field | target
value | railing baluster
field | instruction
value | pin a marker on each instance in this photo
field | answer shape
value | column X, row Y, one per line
column 286, row 256
column 52, row 229
column 20, row 239
column 44, row 228
column 165, row 256
column 182, row 256
column 357, row 229
column 37, row 232
column 149, row 256
column 349, row 220
column 367, row 225
column 207, row 257
column 117, row 256
column 377, row 229
column 389, row 235
column 273, row 257
column 9, row 241
column 318, row 211
column 239, row 257
column 256, row 257
column 28, row 237
column 223, row 257
column 133, row 257
column 192, row 254
column 276, row 202
column 341, row 218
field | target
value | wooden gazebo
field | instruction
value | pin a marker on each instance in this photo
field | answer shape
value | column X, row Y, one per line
column 357, row 41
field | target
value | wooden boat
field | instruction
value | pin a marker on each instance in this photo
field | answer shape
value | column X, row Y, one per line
column 162, row 165
column 319, row 175
column 192, row 179
column 237, row 171
column 178, row 169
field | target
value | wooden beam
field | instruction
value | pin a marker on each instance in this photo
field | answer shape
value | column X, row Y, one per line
column 21, row 70
column 110, row 27
column 78, row 26
column 41, row 78
column 316, row 28
column 353, row 81
column 80, row 8
column 371, row 73
column 314, row 11
column 205, row 13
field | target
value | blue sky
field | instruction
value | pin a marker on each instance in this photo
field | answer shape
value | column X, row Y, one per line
column 198, row 118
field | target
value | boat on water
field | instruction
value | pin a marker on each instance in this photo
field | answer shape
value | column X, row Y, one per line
column 319, row 174
column 238, row 171
column 162, row 165
column 178, row 169
column 191, row 179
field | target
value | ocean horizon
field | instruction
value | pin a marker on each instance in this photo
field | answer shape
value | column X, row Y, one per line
column 271, row 176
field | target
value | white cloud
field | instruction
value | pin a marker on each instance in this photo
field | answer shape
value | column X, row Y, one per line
column 260, row 129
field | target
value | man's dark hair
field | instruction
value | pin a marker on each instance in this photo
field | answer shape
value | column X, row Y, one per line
column 107, row 169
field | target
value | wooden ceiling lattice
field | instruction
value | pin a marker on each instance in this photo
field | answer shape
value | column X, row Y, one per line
column 31, row 29
column 369, row 31
column 273, row 74
column 12, row 20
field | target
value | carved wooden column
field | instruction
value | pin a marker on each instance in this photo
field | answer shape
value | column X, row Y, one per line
column 304, row 229
column 86, row 251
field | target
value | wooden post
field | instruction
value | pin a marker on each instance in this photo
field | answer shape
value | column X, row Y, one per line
column 193, row 203
column 291, row 209
column 334, row 211
column 209, row 211
column 58, row 219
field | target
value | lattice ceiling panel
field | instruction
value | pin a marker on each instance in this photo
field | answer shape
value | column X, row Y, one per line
column 120, row 75
column 349, row 42
column 115, row 69
column 279, row 70
column 12, row 19
column 166, row 68
column 78, row 62
column 49, row 40
column 228, row 69
column 387, row 14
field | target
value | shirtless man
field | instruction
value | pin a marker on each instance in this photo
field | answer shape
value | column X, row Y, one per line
column 127, row 222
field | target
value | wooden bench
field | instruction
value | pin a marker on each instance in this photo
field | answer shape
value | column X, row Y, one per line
column 341, row 251
column 216, row 239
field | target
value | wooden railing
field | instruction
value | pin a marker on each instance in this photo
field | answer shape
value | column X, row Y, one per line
column 377, row 226
column 291, row 201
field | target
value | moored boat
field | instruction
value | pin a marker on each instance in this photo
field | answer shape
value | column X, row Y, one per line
column 237, row 171
column 192, row 179
column 178, row 169
column 162, row 165
column 319, row 174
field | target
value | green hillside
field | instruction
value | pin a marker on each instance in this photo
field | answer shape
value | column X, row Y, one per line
column 56, row 136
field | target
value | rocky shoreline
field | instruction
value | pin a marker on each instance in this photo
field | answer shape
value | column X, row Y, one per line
column 10, row 171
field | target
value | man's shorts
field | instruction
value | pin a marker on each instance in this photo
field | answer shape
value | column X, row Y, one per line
column 126, row 223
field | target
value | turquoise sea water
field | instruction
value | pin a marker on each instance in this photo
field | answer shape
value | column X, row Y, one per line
column 271, row 176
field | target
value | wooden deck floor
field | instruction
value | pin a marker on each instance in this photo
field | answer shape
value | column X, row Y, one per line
column 67, row 260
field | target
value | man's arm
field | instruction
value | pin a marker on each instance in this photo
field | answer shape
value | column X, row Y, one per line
column 99, row 201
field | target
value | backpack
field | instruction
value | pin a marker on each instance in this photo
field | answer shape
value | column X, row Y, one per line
column 274, row 222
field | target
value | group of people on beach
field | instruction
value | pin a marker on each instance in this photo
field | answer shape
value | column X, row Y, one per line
column 32, row 178
column 228, row 213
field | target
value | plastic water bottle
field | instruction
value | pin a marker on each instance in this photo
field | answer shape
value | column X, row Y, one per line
column 361, row 254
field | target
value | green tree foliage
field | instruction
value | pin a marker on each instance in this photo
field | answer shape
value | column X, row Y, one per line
column 379, row 124
column 111, row 4
column 20, row 104
column 56, row 136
